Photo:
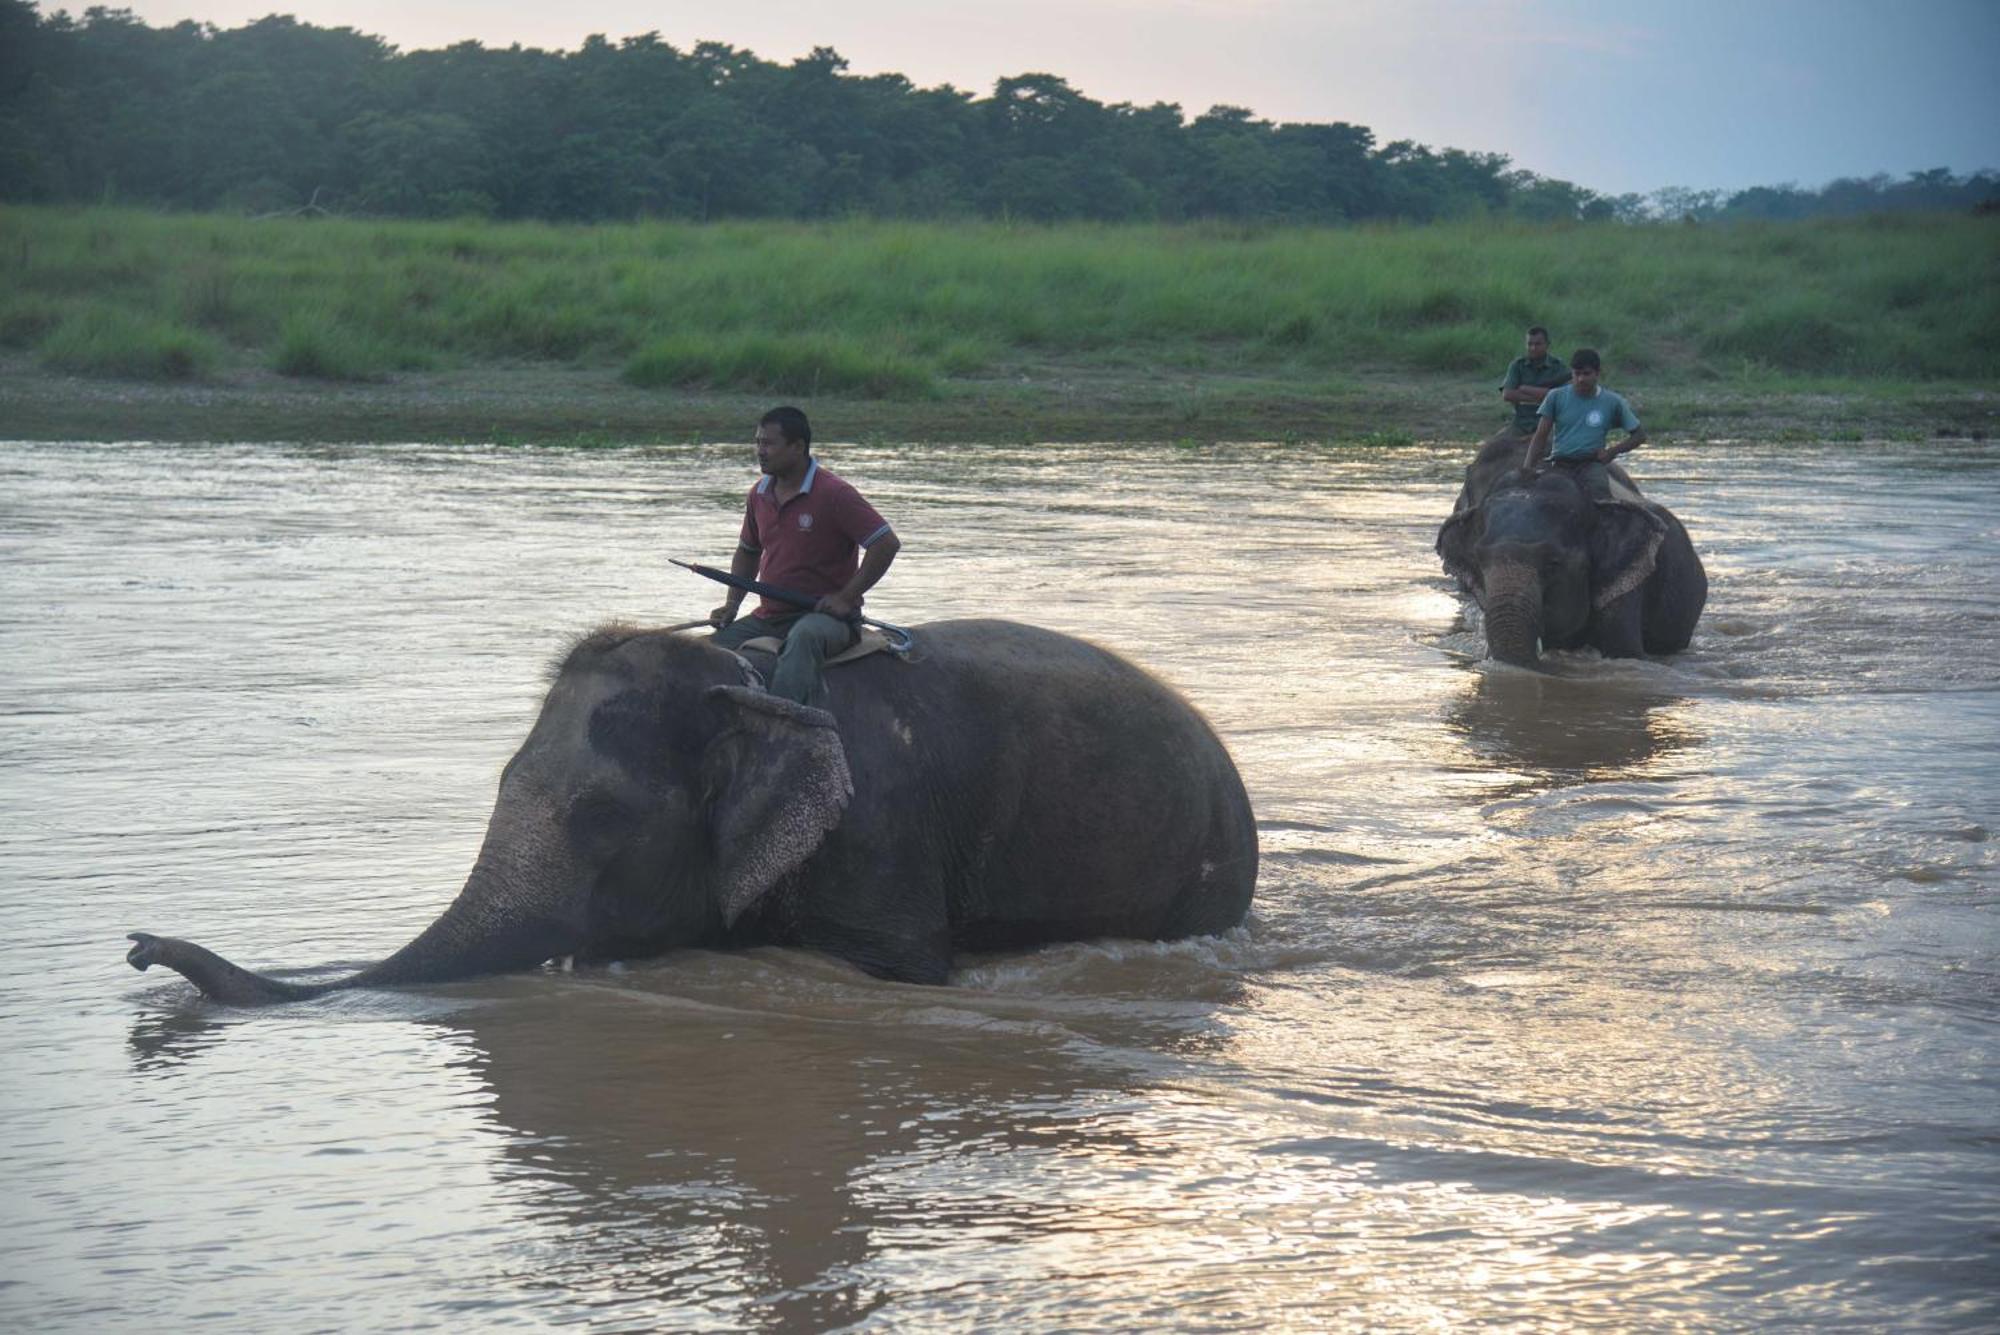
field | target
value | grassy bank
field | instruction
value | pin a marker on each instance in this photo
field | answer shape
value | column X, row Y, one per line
column 132, row 323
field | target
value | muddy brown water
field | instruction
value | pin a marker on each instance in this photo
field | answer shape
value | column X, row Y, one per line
column 1631, row 995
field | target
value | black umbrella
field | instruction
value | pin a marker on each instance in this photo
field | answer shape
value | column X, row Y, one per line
column 899, row 639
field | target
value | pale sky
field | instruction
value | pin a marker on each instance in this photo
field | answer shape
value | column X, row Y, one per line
column 1616, row 96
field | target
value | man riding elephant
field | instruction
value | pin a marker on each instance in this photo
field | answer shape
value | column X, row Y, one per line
column 1563, row 558
column 802, row 527
column 1578, row 418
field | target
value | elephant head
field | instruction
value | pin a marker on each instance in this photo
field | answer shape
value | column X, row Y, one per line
column 1542, row 559
column 656, row 800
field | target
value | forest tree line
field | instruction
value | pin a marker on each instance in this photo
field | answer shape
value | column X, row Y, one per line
column 277, row 115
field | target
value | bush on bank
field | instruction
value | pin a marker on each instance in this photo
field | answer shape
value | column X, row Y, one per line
column 109, row 341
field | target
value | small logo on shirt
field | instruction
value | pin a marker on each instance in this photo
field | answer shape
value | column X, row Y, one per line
column 1596, row 417
column 805, row 521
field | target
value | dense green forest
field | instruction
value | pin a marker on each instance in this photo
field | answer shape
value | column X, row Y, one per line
column 278, row 115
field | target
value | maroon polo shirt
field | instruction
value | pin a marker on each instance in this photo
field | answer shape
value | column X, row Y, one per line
column 808, row 544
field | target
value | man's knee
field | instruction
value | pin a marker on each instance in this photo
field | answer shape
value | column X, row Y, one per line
column 819, row 634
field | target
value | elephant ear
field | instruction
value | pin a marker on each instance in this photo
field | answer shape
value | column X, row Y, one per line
column 1624, row 548
column 1454, row 548
column 778, row 781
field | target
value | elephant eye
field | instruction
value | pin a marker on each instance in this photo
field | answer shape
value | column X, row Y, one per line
column 598, row 819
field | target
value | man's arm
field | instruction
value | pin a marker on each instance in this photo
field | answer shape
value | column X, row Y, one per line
column 1513, row 391
column 1637, row 437
column 874, row 565
column 1527, row 393
column 743, row 565
column 1538, row 442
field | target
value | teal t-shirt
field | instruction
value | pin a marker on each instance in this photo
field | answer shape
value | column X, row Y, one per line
column 1582, row 424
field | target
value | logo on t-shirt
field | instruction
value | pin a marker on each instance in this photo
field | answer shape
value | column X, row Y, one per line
column 1596, row 417
column 805, row 521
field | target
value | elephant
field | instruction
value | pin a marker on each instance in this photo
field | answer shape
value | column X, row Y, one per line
column 1006, row 787
column 1553, row 569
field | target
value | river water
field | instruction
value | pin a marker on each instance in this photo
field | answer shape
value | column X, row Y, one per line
column 1636, row 995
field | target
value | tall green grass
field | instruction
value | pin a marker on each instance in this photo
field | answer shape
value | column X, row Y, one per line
column 319, row 345
column 110, row 341
column 892, row 309
column 809, row 365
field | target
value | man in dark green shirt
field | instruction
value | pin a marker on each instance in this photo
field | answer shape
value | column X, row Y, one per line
column 1529, row 378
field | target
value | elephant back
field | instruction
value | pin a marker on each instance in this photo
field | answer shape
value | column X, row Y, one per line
column 1083, row 796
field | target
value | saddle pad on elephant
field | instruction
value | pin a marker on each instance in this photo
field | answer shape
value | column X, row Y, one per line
column 871, row 641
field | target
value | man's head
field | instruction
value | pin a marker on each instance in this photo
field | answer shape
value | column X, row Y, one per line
column 1583, row 370
column 1538, row 343
column 784, row 440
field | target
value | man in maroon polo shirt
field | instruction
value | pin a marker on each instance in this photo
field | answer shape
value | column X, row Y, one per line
column 801, row 529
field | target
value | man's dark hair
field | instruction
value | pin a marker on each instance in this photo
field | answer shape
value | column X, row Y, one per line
column 791, row 423
column 1585, row 359
column 1534, row 329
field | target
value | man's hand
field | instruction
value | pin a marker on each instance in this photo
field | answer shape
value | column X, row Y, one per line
column 835, row 605
column 723, row 615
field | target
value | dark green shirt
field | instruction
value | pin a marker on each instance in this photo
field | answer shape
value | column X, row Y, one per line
column 1545, row 374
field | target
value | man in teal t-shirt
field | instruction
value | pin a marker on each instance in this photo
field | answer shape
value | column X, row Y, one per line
column 1529, row 378
column 1579, row 417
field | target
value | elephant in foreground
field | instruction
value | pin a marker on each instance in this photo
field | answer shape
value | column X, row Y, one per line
column 1005, row 787
column 1553, row 569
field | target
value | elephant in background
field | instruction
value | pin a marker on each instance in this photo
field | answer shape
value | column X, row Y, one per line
column 1006, row 788
column 1552, row 569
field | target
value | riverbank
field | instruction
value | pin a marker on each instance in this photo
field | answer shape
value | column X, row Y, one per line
column 131, row 325
column 1030, row 403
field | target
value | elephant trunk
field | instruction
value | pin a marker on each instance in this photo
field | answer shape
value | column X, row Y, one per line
column 512, row 914
column 1513, row 609
column 504, row 919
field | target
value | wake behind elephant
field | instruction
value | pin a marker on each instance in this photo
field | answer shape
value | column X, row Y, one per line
column 1552, row 568
column 1008, row 787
